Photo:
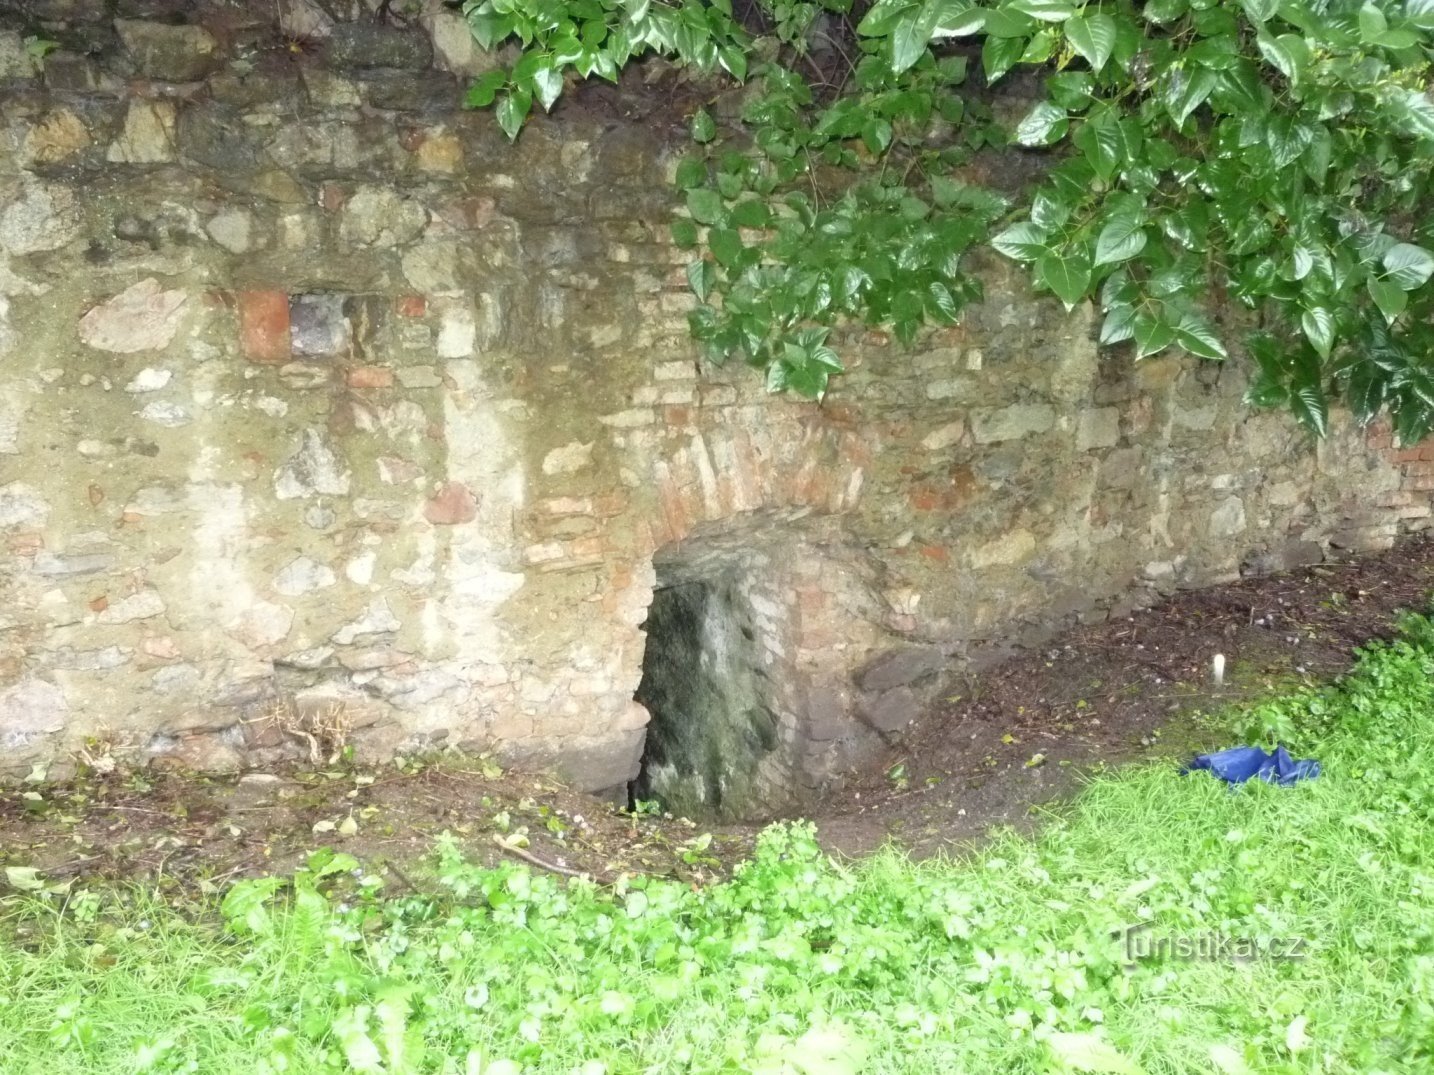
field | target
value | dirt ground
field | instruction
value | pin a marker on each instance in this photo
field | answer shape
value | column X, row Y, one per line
column 1025, row 732
column 1008, row 740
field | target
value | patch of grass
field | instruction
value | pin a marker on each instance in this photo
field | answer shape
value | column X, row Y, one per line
column 1008, row 959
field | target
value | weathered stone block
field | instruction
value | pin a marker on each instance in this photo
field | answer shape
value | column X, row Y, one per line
column 899, row 668
column 1012, row 423
column 364, row 45
column 1099, row 427
column 170, row 53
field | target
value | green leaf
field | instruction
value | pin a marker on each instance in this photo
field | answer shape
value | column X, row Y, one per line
column 1152, row 334
column 726, row 246
column 1091, row 1053
column 999, row 55
column 706, row 206
column 513, row 109
column 24, row 878
column 1120, row 240
column 942, row 303
column 1023, row 242
column 1198, row 337
column 1318, row 325
column 684, row 233
column 485, row 89
column 1408, row 265
column 1389, row 297
column 1093, row 36
column 548, row 85
column 751, row 213
column 1307, row 401
column 691, row 172
column 1372, row 24
column 876, row 134
column 956, row 18
column 1043, row 10
column 1186, row 91
column 704, row 129
column 1042, row 125
column 1118, row 326
column 1260, row 10
column 1416, row 112
column 702, row 277
column 1067, row 274
column 910, row 37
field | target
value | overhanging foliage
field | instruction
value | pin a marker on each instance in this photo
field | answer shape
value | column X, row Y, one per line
column 1250, row 176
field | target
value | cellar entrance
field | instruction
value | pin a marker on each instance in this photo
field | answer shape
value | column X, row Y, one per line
column 707, row 687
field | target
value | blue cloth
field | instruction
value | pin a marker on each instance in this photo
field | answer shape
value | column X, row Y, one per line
column 1238, row 764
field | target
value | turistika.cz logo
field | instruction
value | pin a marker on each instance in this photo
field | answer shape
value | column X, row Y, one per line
column 1141, row 944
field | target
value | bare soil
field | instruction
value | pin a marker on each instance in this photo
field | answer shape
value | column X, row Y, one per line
column 1006, row 742
column 1029, row 729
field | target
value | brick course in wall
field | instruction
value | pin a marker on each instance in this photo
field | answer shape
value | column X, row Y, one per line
column 331, row 418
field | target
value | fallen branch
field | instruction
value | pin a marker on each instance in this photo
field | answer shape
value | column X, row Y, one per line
column 542, row 864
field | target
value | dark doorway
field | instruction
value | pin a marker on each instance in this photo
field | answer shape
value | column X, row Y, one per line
column 704, row 685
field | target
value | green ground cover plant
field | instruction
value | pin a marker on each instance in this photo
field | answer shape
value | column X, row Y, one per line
column 1001, row 960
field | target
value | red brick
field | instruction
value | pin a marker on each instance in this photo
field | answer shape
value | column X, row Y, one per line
column 332, row 197
column 454, row 503
column 411, row 305
column 1420, row 484
column 370, row 377
column 934, row 552
column 264, row 325
column 1404, row 455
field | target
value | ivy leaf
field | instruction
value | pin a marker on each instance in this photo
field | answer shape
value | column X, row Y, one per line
column 1389, row 297
column 513, row 109
column 1152, row 335
column 1042, row 125
column 1260, row 10
column 1416, row 111
column 942, row 303
column 704, row 129
column 726, row 246
column 1023, row 242
column 1120, row 240
column 1067, row 274
column 876, row 135
column 1093, row 36
column 956, row 18
column 684, row 232
column 706, row 206
column 999, row 55
column 1118, row 326
column 1318, row 325
column 1043, row 10
column 1372, row 24
column 548, row 84
column 691, row 172
column 751, row 213
column 702, row 277
column 1307, row 401
column 485, row 89
column 1408, row 265
column 909, row 37
column 1197, row 336
column 1186, row 91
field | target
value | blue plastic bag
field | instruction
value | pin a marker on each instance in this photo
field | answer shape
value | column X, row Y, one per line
column 1238, row 764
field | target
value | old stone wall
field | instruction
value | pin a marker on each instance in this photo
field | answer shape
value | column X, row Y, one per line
column 328, row 418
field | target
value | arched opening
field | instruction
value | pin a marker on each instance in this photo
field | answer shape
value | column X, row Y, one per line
column 752, row 634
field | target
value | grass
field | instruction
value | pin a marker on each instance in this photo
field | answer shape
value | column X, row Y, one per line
column 1000, row 961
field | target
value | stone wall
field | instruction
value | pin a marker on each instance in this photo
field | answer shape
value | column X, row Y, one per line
column 330, row 419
